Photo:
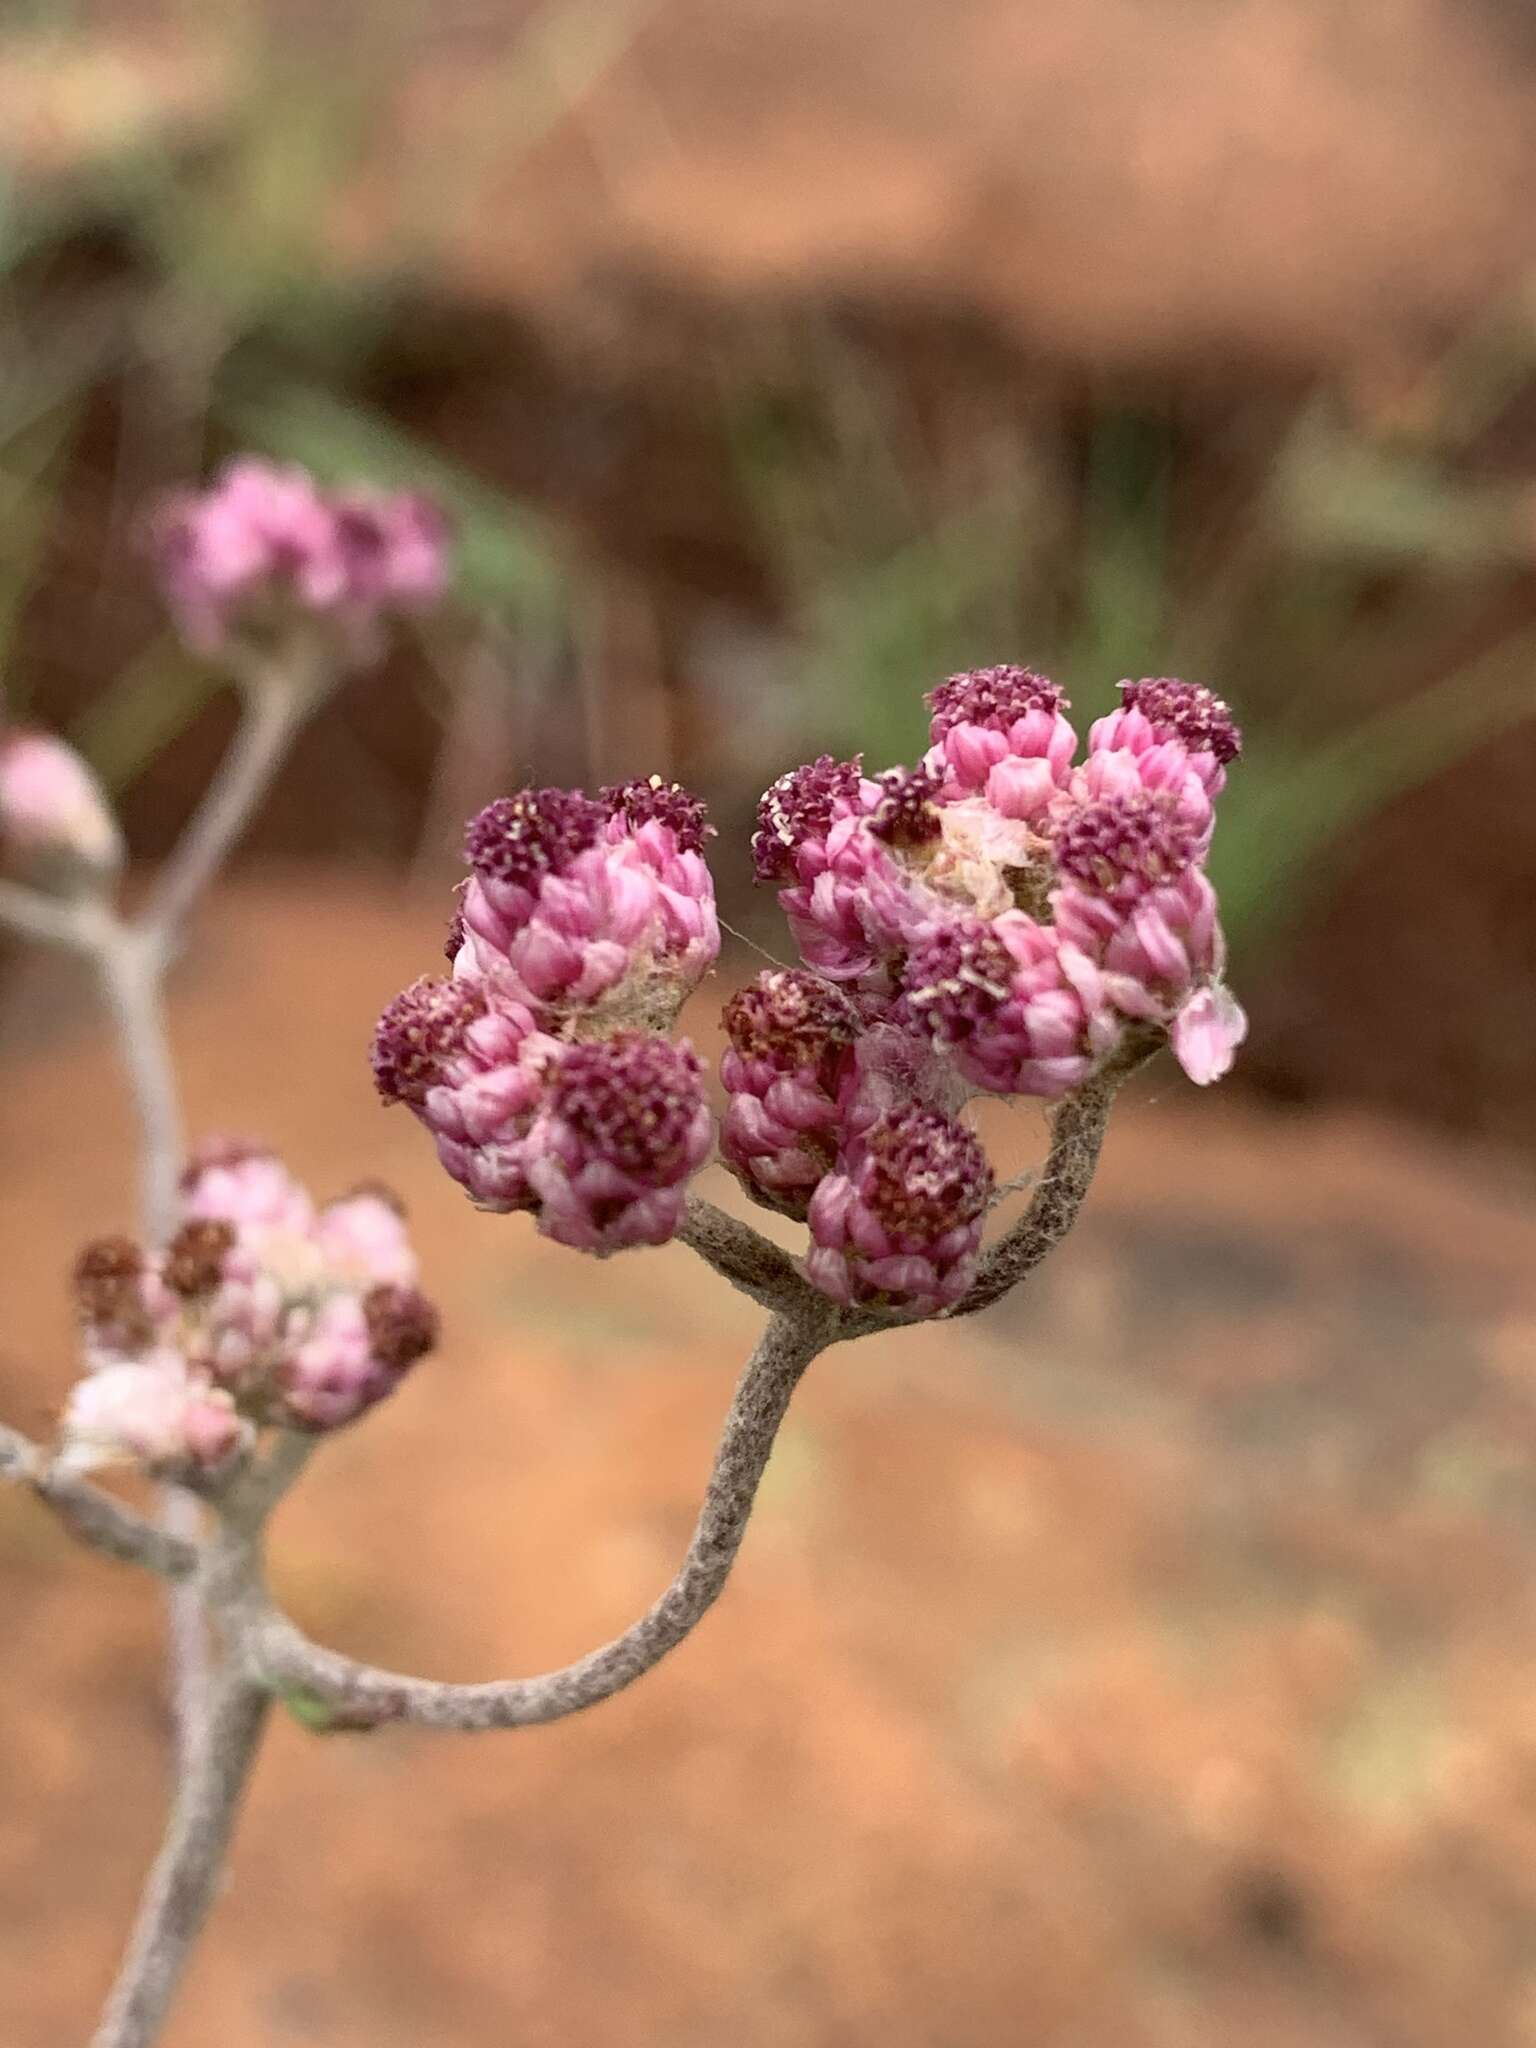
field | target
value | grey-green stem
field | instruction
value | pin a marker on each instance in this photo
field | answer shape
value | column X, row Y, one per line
column 279, row 695
column 362, row 1694
column 215, row 1767
column 93, row 1517
column 130, row 958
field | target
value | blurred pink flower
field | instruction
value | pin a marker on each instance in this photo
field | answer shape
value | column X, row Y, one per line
column 263, row 544
column 257, row 1313
column 55, row 821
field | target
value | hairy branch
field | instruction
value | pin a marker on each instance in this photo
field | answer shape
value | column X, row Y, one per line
column 360, row 1694
column 187, row 1873
column 1077, row 1134
column 95, row 1517
column 131, row 982
column 745, row 1257
column 54, row 921
column 277, row 701
column 131, row 961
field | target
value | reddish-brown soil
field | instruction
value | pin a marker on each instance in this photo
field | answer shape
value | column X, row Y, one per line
column 1150, row 1664
column 1122, row 182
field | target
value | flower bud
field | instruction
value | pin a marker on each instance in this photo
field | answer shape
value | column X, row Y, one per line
column 56, row 826
column 582, row 906
column 473, row 1073
column 363, row 1238
column 853, row 902
column 1160, row 961
column 623, row 1126
column 666, row 824
column 987, row 716
column 898, row 1225
column 393, row 548
column 788, row 1072
column 153, row 1414
column 353, row 1352
column 114, row 1294
column 1018, row 1009
column 234, row 1181
column 1121, row 847
column 796, row 813
column 1161, row 711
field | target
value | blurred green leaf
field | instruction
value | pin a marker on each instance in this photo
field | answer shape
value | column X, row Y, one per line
column 1276, row 827
column 150, row 704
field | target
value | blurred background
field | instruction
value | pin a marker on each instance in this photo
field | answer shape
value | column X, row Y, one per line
column 1152, row 1663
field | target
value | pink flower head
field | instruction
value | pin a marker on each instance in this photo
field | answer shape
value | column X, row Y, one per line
column 623, row 1126
column 55, row 821
column 853, row 902
column 1161, row 960
column 260, row 537
column 991, row 716
column 235, row 1181
column 787, row 1071
column 1121, row 847
column 258, row 1312
column 797, row 812
column 351, row 1351
column 473, row 1073
column 152, row 1413
column 393, row 547
column 363, row 1237
column 573, row 902
column 668, row 828
column 1162, row 711
column 1018, row 1009
column 264, row 544
column 899, row 1223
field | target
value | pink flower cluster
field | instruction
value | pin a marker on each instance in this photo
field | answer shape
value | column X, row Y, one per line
column 1001, row 918
column 1007, row 917
column 261, row 1311
column 539, row 1063
column 265, row 545
column 1019, row 905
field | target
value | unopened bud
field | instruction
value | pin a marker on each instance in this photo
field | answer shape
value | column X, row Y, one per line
column 56, row 825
